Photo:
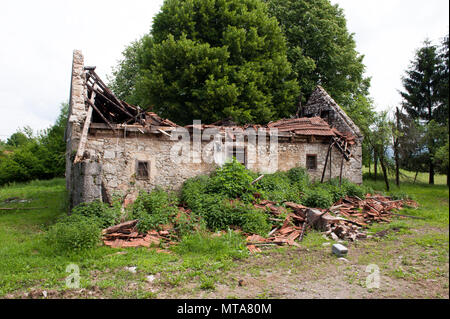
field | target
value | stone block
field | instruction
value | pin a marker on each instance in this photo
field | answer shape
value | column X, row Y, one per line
column 339, row 250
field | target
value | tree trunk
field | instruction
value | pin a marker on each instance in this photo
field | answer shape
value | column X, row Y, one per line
column 383, row 167
column 370, row 164
column 375, row 160
column 415, row 177
column 448, row 171
column 396, row 155
column 431, row 179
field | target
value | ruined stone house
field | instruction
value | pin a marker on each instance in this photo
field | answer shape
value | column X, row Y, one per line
column 114, row 148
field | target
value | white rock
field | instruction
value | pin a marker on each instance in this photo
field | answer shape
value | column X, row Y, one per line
column 326, row 244
column 150, row 278
column 131, row 269
column 44, row 293
column 343, row 259
column 334, row 237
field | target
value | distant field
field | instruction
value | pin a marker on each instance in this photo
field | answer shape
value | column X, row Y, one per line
column 408, row 177
column 412, row 257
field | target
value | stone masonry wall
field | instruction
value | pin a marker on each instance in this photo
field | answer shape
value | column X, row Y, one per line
column 321, row 101
column 77, row 113
column 118, row 156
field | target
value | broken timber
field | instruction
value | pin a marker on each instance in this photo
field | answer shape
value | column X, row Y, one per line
column 84, row 134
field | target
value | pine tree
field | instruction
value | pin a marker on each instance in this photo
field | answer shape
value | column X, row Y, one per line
column 421, row 95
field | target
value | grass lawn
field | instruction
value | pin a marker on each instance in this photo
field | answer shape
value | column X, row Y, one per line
column 412, row 258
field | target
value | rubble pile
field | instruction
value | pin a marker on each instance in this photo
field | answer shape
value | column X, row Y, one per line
column 345, row 220
column 127, row 235
column 355, row 214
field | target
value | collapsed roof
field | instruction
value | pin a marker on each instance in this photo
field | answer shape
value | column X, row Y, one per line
column 116, row 113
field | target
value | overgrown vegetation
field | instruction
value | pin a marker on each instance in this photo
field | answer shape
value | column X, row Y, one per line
column 74, row 233
column 202, row 259
column 224, row 198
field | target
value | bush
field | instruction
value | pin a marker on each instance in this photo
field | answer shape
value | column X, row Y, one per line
column 354, row 190
column 299, row 178
column 278, row 188
column 234, row 181
column 99, row 212
column 337, row 192
column 256, row 222
column 154, row 209
column 73, row 233
column 217, row 211
column 318, row 198
column 185, row 224
column 193, row 189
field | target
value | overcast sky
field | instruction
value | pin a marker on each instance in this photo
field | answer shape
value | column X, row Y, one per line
column 37, row 39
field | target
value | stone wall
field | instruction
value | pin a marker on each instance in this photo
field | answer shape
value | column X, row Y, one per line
column 86, row 182
column 319, row 102
column 77, row 113
column 118, row 157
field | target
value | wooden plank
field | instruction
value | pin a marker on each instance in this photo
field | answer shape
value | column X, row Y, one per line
column 101, row 115
column 326, row 161
column 84, row 133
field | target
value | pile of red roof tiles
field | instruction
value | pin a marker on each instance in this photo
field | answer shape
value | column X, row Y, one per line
column 345, row 220
column 127, row 235
column 304, row 126
column 292, row 228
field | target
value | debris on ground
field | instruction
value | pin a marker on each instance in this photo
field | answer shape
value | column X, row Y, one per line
column 345, row 220
column 131, row 269
column 355, row 214
column 339, row 250
column 16, row 200
column 127, row 235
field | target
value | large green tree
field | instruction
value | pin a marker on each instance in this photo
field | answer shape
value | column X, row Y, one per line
column 214, row 59
column 422, row 97
column 321, row 49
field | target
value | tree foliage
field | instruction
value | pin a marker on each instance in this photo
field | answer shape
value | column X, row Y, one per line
column 321, row 49
column 211, row 60
column 27, row 157
column 425, row 100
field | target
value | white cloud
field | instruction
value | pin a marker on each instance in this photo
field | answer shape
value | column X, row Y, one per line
column 38, row 38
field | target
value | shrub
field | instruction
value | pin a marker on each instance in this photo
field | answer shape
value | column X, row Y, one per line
column 73, row 233
column 299, row 178
column 256, row 222
column 337, row 192
column 354, row 190
column 185, row 224
column 217, row 211
column 318, row 197
column 99, row 212
column 193, row 189
column 277, row 187
column 154, row 209
column 233, row 180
